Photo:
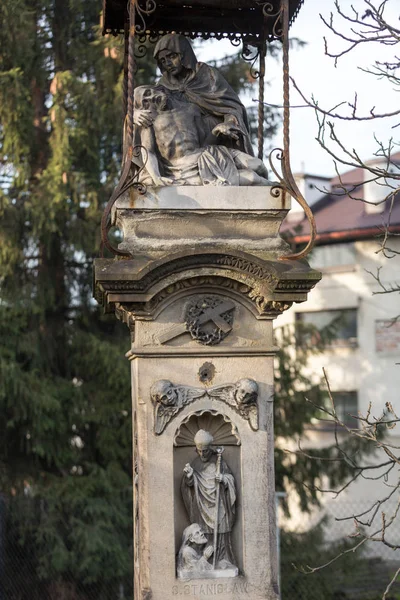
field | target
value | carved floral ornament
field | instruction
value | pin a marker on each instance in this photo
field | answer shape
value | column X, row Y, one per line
column 169, row 399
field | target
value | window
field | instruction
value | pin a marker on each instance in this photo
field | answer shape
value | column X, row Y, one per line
column 343, row 324
column 334, row 257
column 346, row 406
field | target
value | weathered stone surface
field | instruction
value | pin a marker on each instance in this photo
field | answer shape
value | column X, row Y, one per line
column 225, row 198
column 199, row 295
column 162, row 514
column 169, row 399
column 175, row 151
column 268, row 287
column 180, row 386
column 246, row 218
column 191, row 128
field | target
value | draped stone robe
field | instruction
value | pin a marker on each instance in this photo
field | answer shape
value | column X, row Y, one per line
column 199, row 495
column 206, row 88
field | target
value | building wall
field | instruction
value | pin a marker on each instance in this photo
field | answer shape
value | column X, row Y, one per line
column 368, row 366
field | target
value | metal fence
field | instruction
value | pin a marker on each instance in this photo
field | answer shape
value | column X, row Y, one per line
column 363, row 575
column 360, row 575
column 32, row 568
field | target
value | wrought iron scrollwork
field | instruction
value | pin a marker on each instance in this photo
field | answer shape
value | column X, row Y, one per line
column 234, row 37
column 289, row 180
column 126, row 182
column 140, row 50
column 288, row 184
column 133, row 181
column 144, row 8
column 142, row 43
column 279, row 156
column 268, row 8
column 251, row 54
column 269, row 12
column 235, row 41
column 127, row 179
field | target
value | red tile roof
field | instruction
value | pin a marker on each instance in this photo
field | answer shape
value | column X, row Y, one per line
column 340, row 216
column 355, row 176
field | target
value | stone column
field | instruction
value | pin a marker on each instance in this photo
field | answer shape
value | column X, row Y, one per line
column 199, row 295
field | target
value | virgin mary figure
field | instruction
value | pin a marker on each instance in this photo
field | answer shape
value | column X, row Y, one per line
column 188, row 80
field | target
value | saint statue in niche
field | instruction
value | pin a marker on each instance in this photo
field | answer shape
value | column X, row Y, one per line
column 209, row 494
column 192, row 126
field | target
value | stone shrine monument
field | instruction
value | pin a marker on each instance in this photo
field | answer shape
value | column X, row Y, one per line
column 199, row 276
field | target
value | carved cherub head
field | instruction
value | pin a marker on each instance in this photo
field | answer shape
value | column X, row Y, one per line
column 163, row 392
column 246, row 392
column 150, row 97
column 203, row 441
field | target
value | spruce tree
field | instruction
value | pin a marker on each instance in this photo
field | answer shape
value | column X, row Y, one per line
column 65, row 439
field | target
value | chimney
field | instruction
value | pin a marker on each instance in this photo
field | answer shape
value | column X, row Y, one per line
column 313, row 188
column 376, row 191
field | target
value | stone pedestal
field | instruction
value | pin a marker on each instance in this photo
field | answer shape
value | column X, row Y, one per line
column 190, row 217
column 199, row 295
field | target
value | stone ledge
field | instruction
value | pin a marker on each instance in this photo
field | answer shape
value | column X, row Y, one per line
column 226, row 217
column 187, row 197
column 267, row 287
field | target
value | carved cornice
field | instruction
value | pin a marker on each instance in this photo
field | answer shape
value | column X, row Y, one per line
column 142, row 288
column 263, row 306
column 260, row 302
column 125, row 316
column 247, row 266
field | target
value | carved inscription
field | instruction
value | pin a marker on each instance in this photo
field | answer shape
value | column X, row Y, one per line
column 242, row 264
column 210, row 589
column 169, row 399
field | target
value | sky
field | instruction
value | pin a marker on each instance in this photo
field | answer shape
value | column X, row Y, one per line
column 315, row 74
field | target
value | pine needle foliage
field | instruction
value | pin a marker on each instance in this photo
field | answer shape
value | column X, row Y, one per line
column 65, row 417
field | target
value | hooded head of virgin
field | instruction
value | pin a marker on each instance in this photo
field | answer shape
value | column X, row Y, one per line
column 174, row 55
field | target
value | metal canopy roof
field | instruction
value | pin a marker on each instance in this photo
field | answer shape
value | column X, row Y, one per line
column 234, row 19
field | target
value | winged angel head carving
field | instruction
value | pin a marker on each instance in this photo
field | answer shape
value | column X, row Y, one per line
column 168, row 399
